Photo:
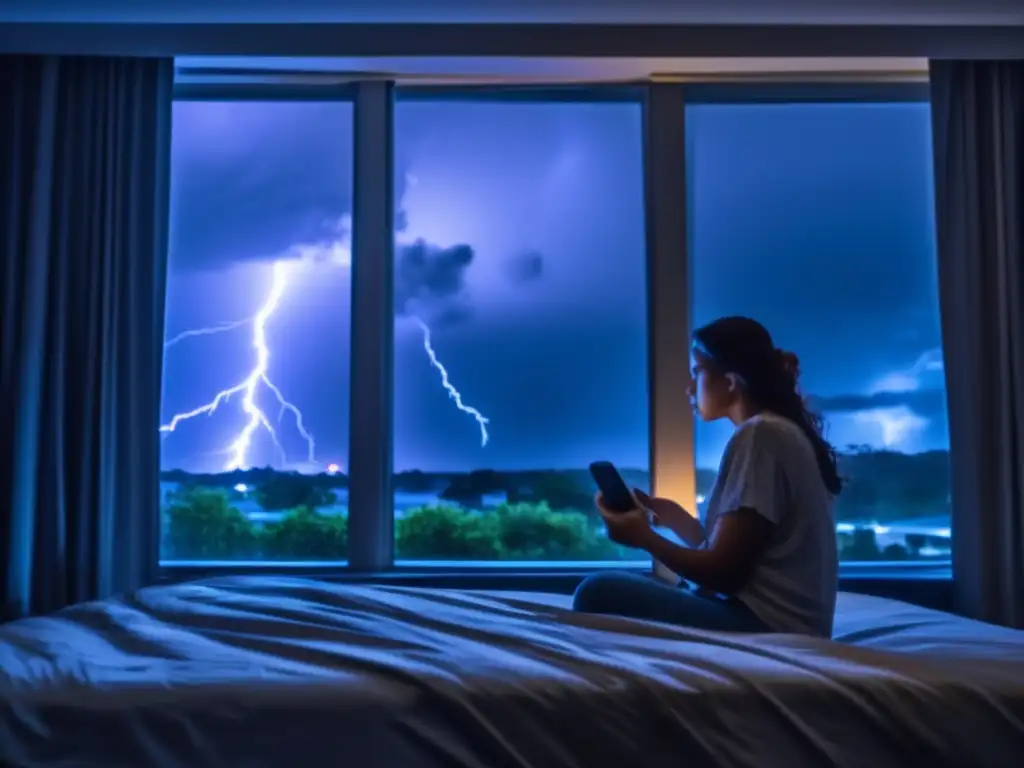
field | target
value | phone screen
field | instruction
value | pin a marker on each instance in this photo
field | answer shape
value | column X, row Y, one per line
column 616, row 494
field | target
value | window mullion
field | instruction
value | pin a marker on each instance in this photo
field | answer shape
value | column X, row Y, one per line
column 371, row 524
column 672, row 462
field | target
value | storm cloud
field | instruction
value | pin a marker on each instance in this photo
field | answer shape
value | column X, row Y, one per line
column 928, row 403
column 238, row 198
column 248, row 183
column 428, row 277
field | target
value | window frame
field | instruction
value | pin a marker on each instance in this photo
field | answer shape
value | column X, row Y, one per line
column 267, row 92
column 667, row 267
column 876, row 90
column 624, row 93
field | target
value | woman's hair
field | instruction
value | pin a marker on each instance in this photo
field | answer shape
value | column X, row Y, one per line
column 744, row 347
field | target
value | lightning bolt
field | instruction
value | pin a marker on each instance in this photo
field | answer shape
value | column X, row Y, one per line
column 453, row 393
column 240, row 447
column 336, row 251
column 220, row 328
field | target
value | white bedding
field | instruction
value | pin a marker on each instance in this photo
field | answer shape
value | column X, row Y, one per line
column 268, row 671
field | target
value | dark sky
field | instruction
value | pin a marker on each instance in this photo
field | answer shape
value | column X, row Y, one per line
column 522, row 248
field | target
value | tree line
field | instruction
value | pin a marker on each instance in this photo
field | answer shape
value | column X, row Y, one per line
column 203, row 524
column 880, row 486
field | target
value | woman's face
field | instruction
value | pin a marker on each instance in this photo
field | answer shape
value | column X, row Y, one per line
column 711, row 392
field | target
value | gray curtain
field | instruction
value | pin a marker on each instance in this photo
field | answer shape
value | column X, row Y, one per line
column 978, row 129
column 84, row 151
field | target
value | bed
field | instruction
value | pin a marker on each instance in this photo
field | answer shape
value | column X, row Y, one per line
column 275, row 671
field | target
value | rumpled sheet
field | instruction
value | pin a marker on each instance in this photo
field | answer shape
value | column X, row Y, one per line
column 274, row 671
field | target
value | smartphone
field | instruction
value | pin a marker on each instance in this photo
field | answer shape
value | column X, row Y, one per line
column 616, row 494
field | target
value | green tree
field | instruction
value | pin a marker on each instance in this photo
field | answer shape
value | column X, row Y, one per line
column 894, row 552
column 305, row 534
column 201, row 525
column 887, row 485
column 558, row 491
column 915, row 542
column 862, row 545
column 517, row 531
column 535, row 532
column 446, row 532
column 469, row 490
column 290, row 490
column 413, row 481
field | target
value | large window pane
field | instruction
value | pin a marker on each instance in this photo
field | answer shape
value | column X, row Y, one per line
column 520, row 343
column 817, row 220
column 255, row 401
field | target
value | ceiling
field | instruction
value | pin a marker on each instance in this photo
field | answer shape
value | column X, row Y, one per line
column 945, row 12
column 514, row 40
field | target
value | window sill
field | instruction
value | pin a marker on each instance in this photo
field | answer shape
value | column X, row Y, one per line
column 507, row 573
column 896, row 569
column 499, row 572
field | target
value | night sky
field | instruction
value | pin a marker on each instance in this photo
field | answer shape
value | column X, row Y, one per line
column 521, row 245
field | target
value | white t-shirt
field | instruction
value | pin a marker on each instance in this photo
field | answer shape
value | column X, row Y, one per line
column 769, row 466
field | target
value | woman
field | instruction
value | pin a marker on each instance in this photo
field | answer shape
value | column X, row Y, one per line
column 767, row 560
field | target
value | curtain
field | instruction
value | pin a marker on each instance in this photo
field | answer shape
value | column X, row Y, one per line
column 84, row 166
column 978, row 130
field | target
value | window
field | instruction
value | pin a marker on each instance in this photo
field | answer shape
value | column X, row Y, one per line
column 520, row 335
column 255, row 400
column 817, row 220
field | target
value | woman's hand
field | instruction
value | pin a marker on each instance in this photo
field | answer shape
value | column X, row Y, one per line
column 630, row 529
column 673, row 516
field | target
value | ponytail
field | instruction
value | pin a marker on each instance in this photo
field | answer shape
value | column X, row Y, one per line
column 792, row 405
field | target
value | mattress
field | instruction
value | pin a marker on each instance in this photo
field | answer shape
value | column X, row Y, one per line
column 269, row 671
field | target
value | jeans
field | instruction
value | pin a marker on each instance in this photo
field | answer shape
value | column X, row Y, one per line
column 639, row 597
